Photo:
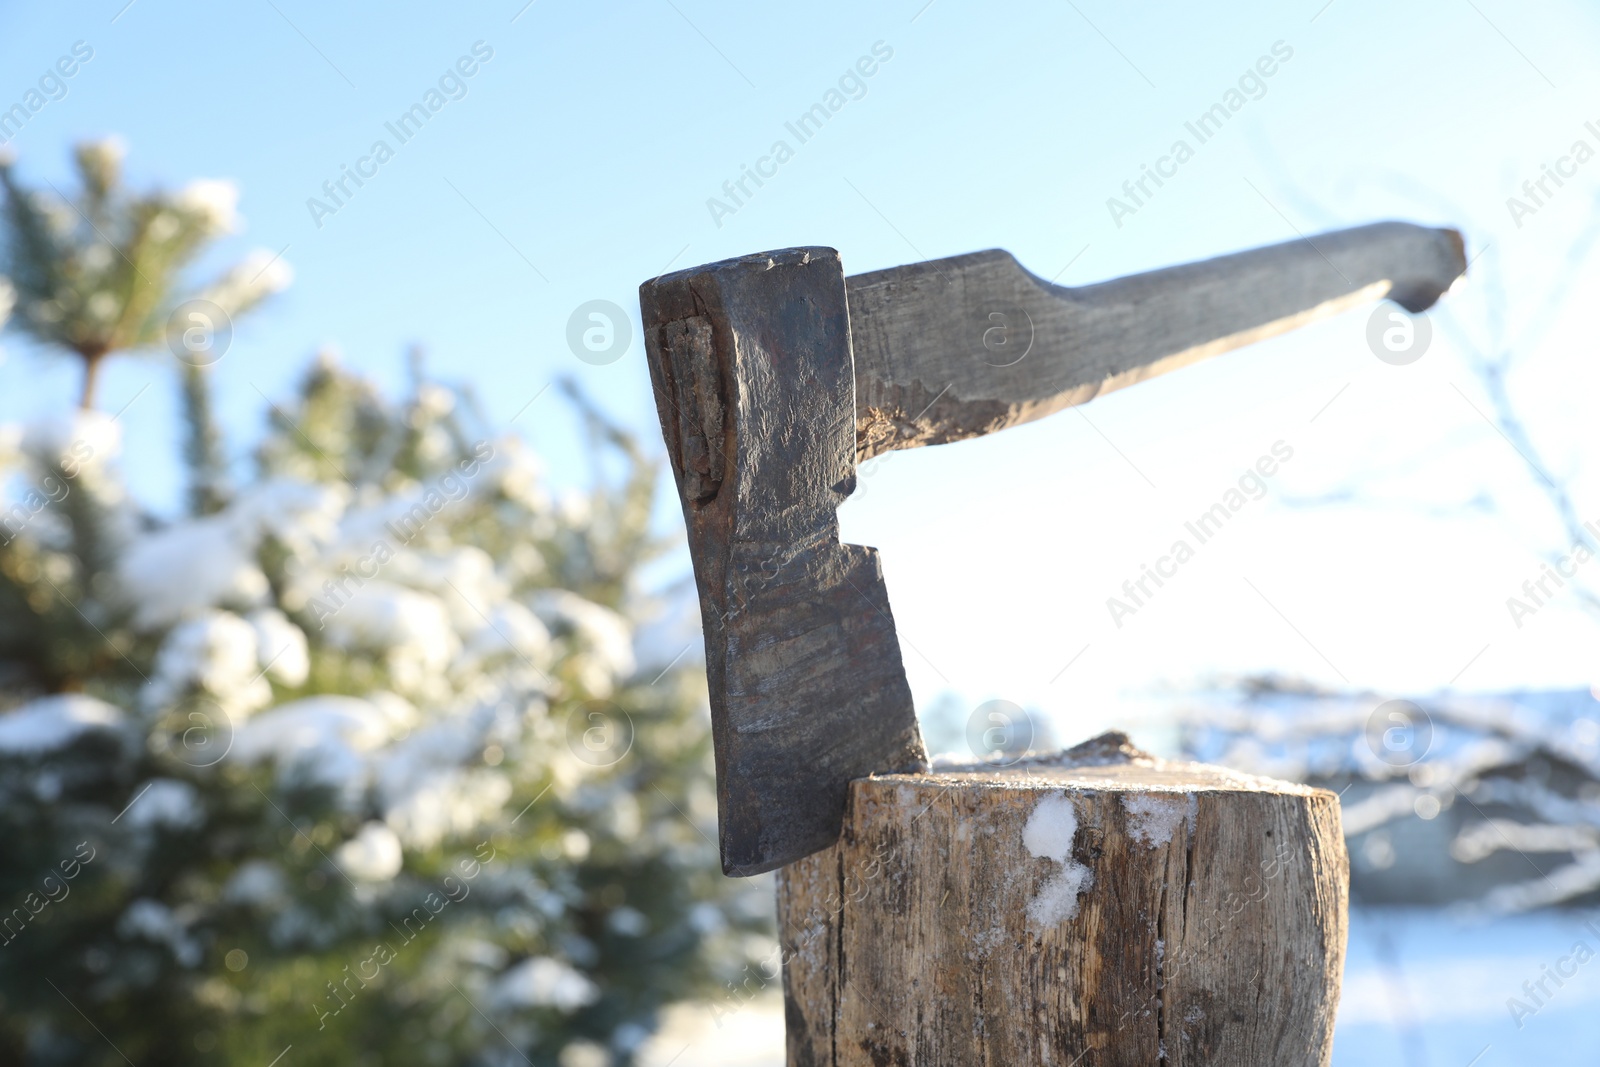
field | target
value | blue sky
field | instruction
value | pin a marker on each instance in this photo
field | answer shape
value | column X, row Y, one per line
column 580, row 160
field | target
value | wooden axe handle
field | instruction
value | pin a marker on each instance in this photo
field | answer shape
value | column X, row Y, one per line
column 956, row 348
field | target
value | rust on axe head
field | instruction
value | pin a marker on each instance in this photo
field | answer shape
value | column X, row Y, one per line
column 750, row 359
column 772, row 377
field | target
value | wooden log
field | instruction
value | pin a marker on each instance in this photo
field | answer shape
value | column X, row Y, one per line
column 1099, row 908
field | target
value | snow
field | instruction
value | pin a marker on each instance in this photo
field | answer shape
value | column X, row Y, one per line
column 629, row 922
column 217, row 652
column 1153, row 819
column 11, row 438
column 1423, row 986
column 104, row 154
column 267, row 269
column 584, row 1053
column 51, row 722
column 1296, row 735
column 599, row 630
column 416, row 778
column 1515, row 750
column 326, row 737
column 147, row 918
column 373, row 855
column 479, row 952
column 214, row 202
column 509, row 629
column 257, row 276
column 154, row 921
column 303, row 515
column 545, row 982
column 430, row 612
column 1048, row 834
column 463, row 578
column 517, row 472
column 400, row 714
column 1051, row 827
column 707, row 919
column 72, row 440
column 748, row 1033
column 170, row 574
column 1057, row 899
column 174, row 572
column 446, row 803
column 257, row 882
column 413, row 627
column 281, row 647
column 166, row 802
column 1566, row 882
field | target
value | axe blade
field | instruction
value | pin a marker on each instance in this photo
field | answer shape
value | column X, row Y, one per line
column 750, row 360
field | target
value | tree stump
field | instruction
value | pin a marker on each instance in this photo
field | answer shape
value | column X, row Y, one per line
column 1096, row 908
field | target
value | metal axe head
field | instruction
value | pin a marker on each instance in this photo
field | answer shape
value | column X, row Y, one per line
column 774, row 374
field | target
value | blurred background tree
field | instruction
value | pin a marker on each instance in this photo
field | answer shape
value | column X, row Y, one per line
column 102, row 272
column 376, row 756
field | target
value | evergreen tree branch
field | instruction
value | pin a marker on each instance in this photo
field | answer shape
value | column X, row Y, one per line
column 203, row 450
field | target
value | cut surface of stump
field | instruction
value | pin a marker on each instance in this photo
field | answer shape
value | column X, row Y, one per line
column 1096, row 908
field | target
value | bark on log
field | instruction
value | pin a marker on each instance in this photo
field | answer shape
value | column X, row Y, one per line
column 1099, row 908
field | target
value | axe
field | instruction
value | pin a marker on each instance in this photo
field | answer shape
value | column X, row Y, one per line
column 774, row 375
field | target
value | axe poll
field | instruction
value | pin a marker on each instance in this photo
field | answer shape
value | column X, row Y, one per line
column 774, row 374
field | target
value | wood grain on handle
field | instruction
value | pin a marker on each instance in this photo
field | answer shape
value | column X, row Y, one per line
column 956, row 348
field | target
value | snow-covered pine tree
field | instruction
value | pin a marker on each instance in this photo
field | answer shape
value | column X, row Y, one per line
column 366, row 757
